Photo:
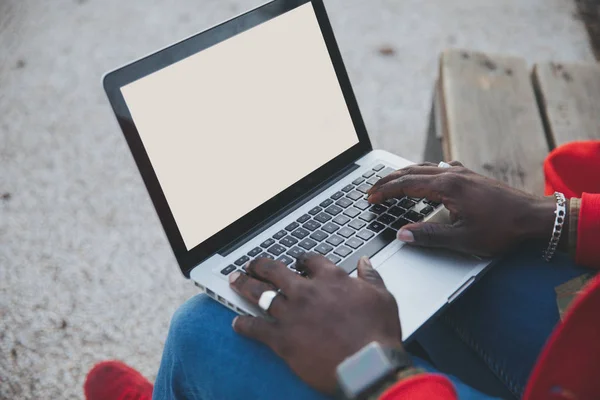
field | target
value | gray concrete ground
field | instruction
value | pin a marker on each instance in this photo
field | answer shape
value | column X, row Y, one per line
column 85, row 271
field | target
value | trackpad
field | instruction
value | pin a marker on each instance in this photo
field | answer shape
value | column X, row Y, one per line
column 422, row 281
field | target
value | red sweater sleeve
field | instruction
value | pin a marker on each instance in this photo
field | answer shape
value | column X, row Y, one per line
column 422, row 387
column 588, row 231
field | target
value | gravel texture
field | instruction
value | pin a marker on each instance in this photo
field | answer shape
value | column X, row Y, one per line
column 86, row 273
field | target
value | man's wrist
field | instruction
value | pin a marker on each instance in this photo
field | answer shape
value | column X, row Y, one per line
column 537, row 222
column 537, row 219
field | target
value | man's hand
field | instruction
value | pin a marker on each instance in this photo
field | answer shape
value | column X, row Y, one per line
column 319, row 321
column 487, row 216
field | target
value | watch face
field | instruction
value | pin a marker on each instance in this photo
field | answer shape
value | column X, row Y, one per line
column 364, row 369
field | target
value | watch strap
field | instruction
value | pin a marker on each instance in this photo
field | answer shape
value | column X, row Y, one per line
column 398, row 356
column 371, row 370
column 400, row 375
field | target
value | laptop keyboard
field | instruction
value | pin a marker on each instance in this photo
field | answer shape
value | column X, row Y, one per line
column 343, row 227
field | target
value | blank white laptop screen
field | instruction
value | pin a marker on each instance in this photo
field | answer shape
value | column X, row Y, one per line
column 234, row 125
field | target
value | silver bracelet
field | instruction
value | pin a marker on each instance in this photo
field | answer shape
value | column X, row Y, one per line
column 559, row 220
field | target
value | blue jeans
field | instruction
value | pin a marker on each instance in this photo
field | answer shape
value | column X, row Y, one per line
column 486, row 342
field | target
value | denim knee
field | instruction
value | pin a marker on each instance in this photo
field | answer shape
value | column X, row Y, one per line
column 194, row 326
column 189, row 312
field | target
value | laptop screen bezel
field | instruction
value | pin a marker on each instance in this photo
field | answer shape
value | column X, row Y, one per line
column 114, row 81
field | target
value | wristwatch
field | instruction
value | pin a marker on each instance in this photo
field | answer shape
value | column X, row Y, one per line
column 362, row 374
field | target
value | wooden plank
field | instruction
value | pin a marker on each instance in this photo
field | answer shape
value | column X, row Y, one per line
column 589, row 13
column 491, row 121
column 569, row 98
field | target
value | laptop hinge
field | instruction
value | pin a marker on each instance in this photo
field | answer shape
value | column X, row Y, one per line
column 229, row 248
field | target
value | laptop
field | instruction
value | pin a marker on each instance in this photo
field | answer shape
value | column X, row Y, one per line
column 251, row 144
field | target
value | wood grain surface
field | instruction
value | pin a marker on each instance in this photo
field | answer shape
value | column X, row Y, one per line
column 491, row 121
column 569, row 97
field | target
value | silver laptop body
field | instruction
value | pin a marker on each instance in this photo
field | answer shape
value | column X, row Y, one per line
column 250, row 143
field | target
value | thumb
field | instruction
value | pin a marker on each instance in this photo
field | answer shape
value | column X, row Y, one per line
column 365, row 271
column 430, row 234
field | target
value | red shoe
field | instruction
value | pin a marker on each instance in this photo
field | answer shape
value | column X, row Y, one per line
column 113, row 380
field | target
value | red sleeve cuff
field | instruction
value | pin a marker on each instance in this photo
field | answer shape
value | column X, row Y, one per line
column 422, row 387
column 588, row 231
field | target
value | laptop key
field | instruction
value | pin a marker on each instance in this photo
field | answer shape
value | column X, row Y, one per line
column 433, row 203
column 330, row 227
column 266, row 255
column 307, row 244
column 300, row 233
column 341, row 220
column 378, row 209
column 346, row 232
column 345, row 203
column 267, row 243
column 319, row 236
column 351, row 212
column 362, row 205
column 228, row 269
column 323, row 248
column 337, row 195
column 326, row 203
column 303, row 218
column 255, row 251
column 373, row 180
column 315, row 210
column 347, row 188
column 295, row 252
column 335, row 240
column 385, row 172
column 368, row 174
column 358, row 181
column 242, row 260
column 343, row 251
column 378, row 167
column 354, row 195
column 279, row 234
column 419, row 207
column 365, row 234
column 364, row 188
column 389, row 202
column 357, row 224
column 333, row 258
column 376, row 226
column 427, row 210
column 368, row 216
column 322, row 217
column 369, row 249
column 396, row 211
column 400, row 223
column 413, row 216
column 311, row 225
column 285, row 259
column 276, row 249
column 354, row 243
column 334, row 210
column 406, row 203
column 288, row 241
column 386, row 219
column 292, row 226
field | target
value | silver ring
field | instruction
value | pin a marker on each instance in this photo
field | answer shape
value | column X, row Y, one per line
column 444, row 164
column 266, row 298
